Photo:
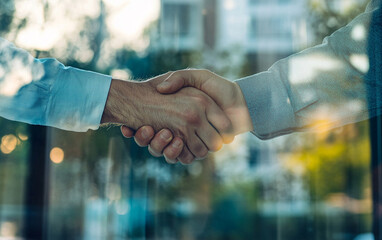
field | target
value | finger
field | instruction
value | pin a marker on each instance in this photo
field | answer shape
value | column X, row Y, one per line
column 172, row 83
column 210, row 137
column 173, row 150
column 127, row 132
column 160, row 141
column 229, row 140
column 154, row 153
column 186, row 156
column 197, row 146
column 183, row 78
column 144, row 135
column 220, row 122
column 170, row 161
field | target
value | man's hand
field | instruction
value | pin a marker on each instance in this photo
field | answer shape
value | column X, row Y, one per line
column 226, row 94
column 158, row 145
column 190, row 114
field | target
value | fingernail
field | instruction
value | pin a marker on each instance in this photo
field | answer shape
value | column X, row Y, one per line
column 177, row 144
column 164, row 85
column 145, row 132
column 166, row 135
column 171, row 161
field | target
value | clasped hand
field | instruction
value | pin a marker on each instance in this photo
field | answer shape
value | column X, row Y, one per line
column 182, row 115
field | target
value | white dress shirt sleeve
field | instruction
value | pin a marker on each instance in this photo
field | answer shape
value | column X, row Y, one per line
column 45, row 92
column 319, row 88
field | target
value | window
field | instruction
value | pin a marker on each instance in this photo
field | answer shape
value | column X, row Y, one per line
column 273, row 27
column 256, row 2
column 58, row 185
column 177, row 19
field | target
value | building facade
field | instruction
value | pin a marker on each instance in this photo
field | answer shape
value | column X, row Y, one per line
column 272, row 26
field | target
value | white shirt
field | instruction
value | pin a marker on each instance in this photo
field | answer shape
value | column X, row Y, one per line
column 321, row 87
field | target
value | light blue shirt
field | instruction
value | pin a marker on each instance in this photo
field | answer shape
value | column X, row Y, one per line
column 45, row 92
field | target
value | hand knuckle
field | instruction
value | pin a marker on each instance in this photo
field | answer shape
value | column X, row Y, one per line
column 201, row 100
column 201, row 152
column 226, row 125
column 192, row 117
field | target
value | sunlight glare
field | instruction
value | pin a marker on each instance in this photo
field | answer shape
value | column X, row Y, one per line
column 314, row 64
column 358, row 33
column 129, row 20
column 18, row 76
column 229, row 4
column 63, row 20
column 360, row 62
column 124, row 74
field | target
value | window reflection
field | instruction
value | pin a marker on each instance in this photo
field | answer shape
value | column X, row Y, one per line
column 100, row 186
column 176, row 21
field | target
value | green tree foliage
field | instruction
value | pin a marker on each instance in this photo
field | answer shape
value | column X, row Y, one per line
column 326, row 19
column 336, row 160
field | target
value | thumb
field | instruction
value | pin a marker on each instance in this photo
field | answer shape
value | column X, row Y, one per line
column 172, row 83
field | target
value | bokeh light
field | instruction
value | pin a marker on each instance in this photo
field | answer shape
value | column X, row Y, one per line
column 8, row 143
column 23, row 137
column 122, row 207
column 56, row 155
column 8, row 230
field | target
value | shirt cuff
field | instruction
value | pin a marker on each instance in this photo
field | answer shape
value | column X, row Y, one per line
column 77, row 99
column 269, row 105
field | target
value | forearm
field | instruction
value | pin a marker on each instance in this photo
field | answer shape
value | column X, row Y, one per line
column 323, row 86
column 118, row 107
column 45, row 92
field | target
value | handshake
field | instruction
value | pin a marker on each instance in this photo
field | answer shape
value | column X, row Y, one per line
column 182, row 115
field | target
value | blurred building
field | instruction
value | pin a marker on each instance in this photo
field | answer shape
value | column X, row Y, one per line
column 180, row 25
column 265, row 30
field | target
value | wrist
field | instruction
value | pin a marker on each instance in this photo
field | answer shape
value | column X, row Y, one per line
column 119, row 94
column 243, row 117
column 131, row 103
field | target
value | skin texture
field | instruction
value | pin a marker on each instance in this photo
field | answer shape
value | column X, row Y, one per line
column 190, row 115
column 226, row 94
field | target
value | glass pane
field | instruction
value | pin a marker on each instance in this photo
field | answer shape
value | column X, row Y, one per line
column 176, row 19
column 57, row 184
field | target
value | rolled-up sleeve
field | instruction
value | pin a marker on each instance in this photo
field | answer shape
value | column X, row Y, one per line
column 45, row 92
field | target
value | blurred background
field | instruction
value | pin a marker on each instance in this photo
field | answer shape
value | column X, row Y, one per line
column 98, row 185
